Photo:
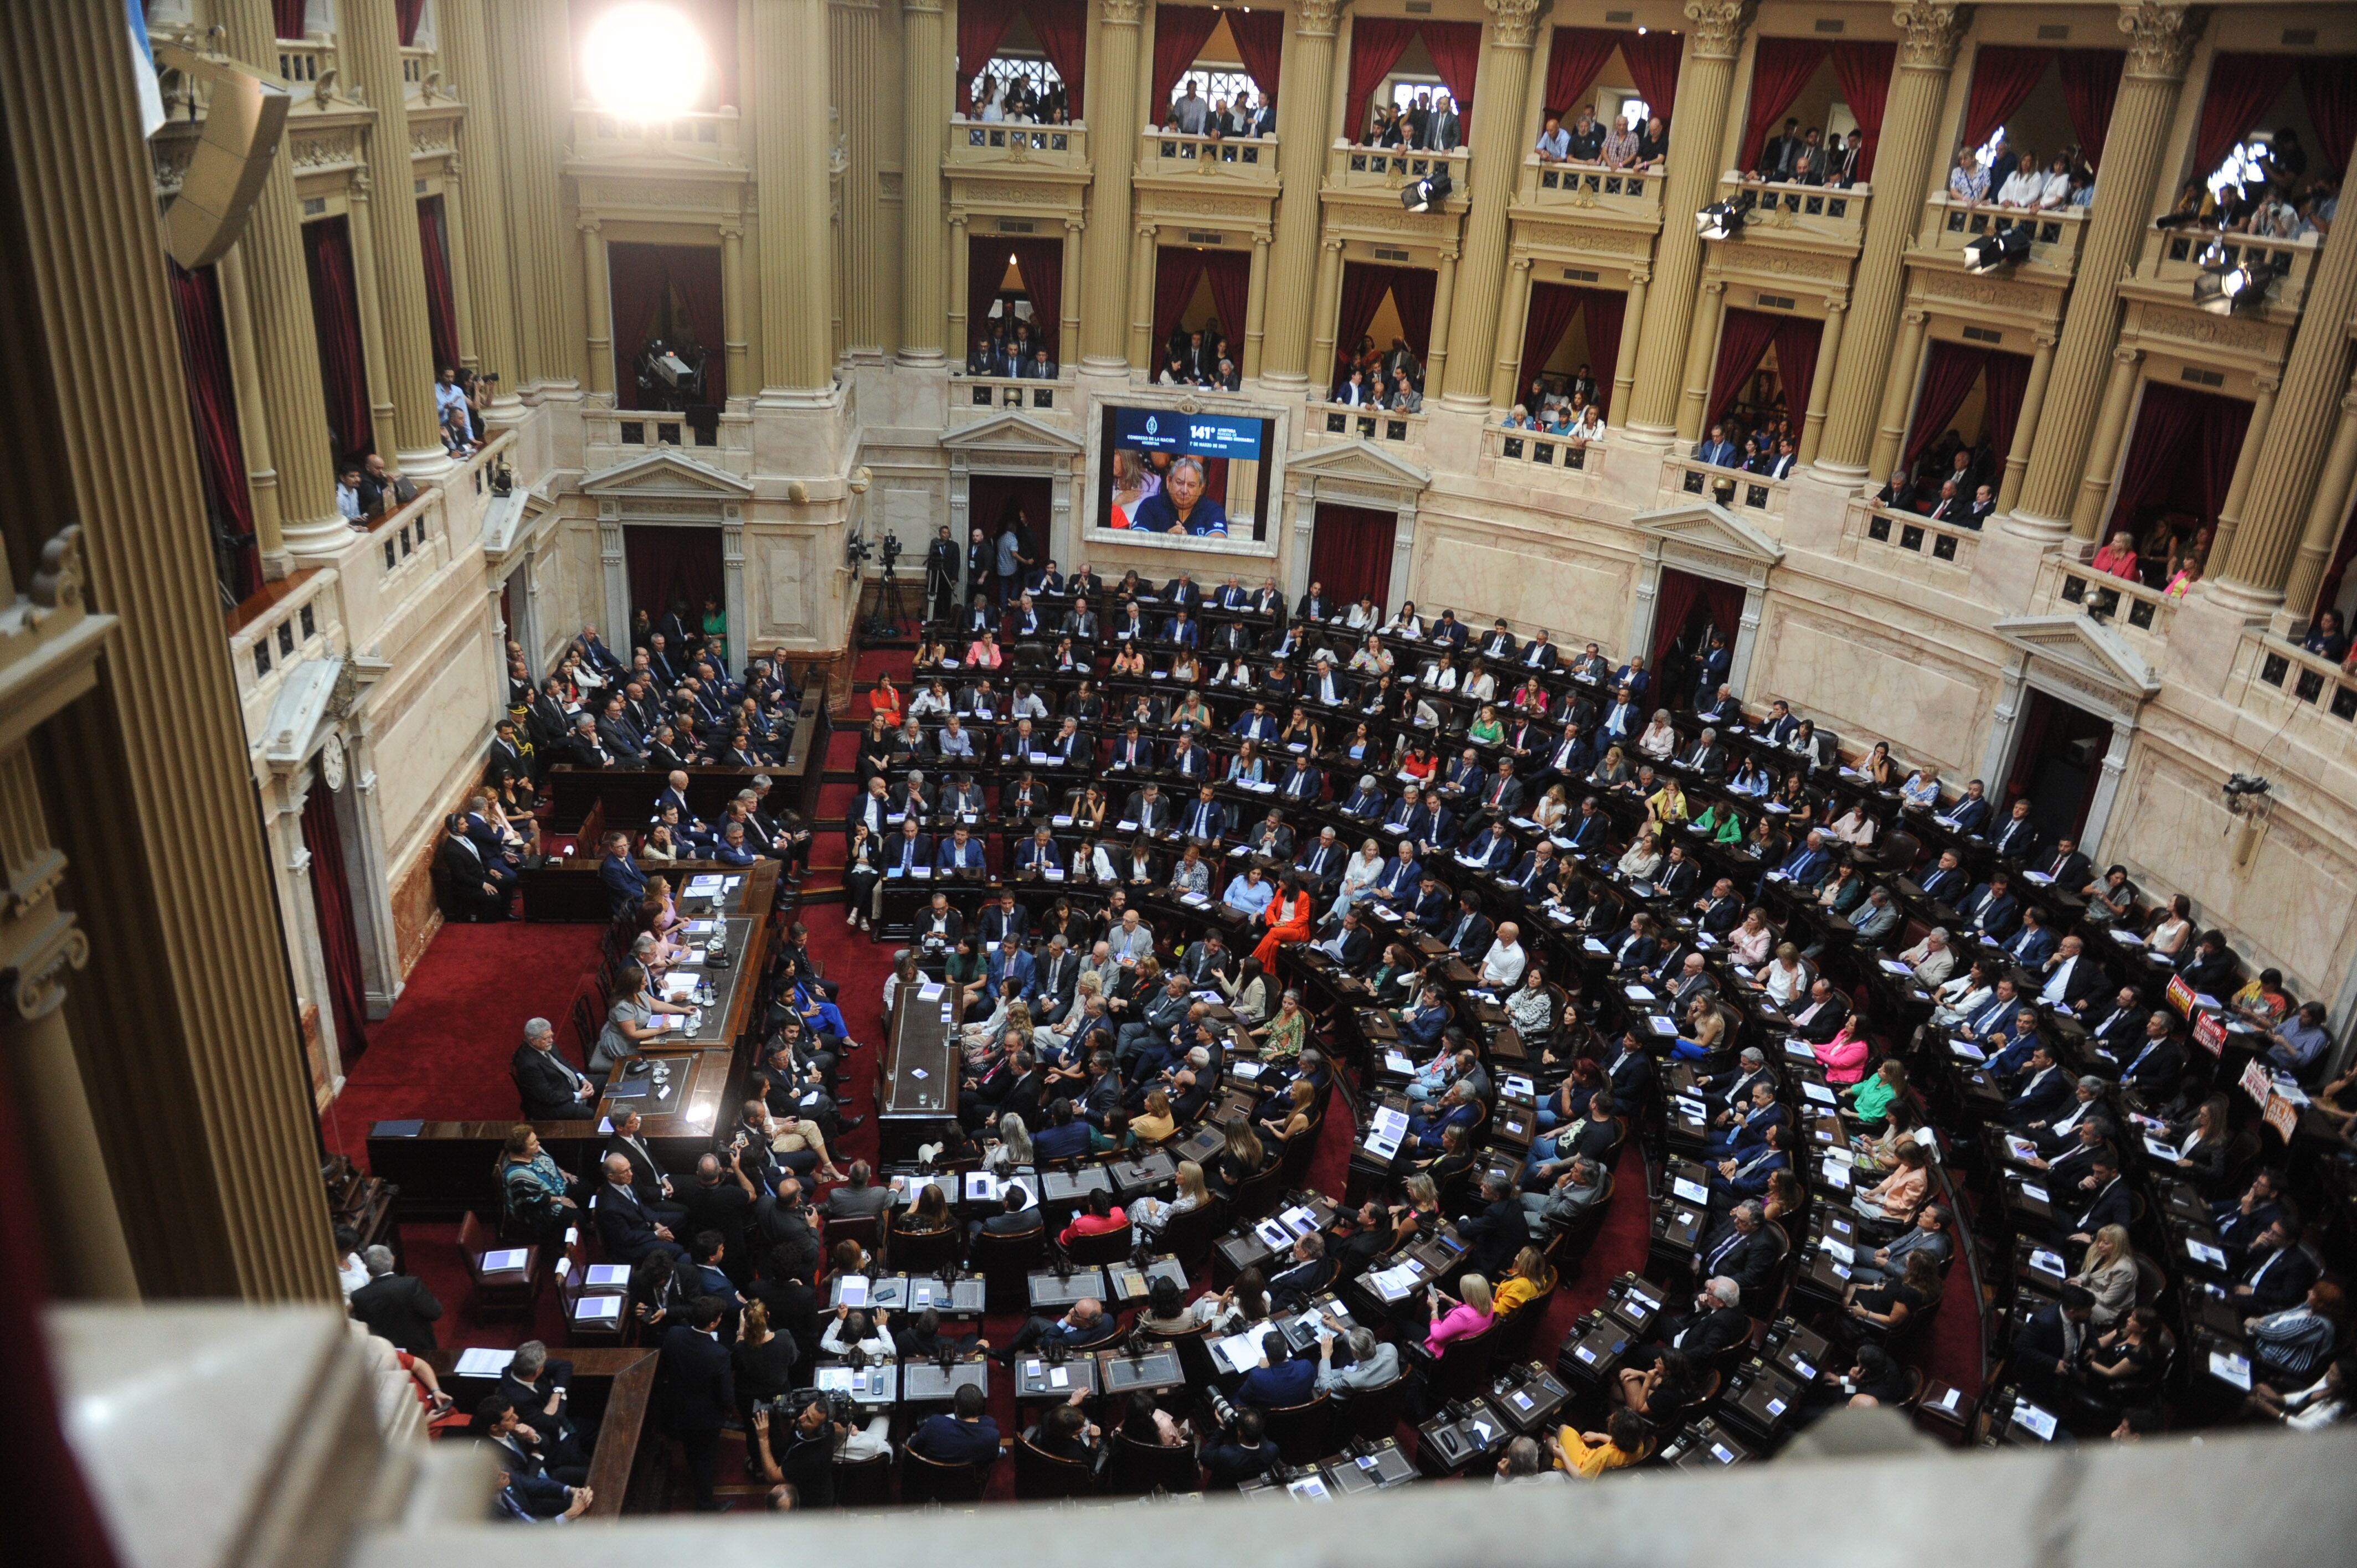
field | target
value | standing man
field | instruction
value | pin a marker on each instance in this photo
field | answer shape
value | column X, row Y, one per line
column 1007, row 566
column 941, row 573
column 700, row 1392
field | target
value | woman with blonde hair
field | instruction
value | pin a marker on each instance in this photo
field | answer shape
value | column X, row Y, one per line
column 1469, row 1313
column 1011, row 1150
column 1531, row 1278
column 2108, row 1271
column 1151, row 1213
column 1281, row 1038
column 1294, row 1121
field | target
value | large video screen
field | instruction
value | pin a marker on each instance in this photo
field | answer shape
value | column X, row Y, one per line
column 1197, row 476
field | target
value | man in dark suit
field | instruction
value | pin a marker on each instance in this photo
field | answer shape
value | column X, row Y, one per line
column 472, row 879
column 2277, row 1276
column 1310, row 1272
column 1499, row 1232
column 699, row 1391
column 647, row 1178
column 2107, row 1201
column 629, row 1230
column 1743, row 1249
column 1716, row 1324
column 964, row 1436
column 1820, row 1018
column 552, row 1088
column 396, row 1306
column 626, row 884
column 2047, row 1344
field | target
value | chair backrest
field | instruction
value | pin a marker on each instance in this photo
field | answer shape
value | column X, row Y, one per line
column 1299, row 1430
column 1003, row 1261
column 1041, row 1475
column 1464, row 1365
column 924, row 1480
column 1372, row 1415
column 867, row 1230
column 475, row 1238
column 863, row 1483
column 1187, row 1236
column 922, row 1251
column 1134, row 1469
column 1299, row 1152
column 1103, row 1247
column 1257, row 1197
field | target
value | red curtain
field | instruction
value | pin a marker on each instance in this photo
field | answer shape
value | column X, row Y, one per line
column 984, row 272
column 673, row 563
column 2241, row 88
column 1412, row 289
column 1781, row 68
column 1177, row 270
column 1230, row 273
column 1949, row 372
column 1672, row 602
column 981, row 24
column 1797, row 338
column 1041, row 263
column 2328, row 593
column 1455, row 50
column 2328, row 82
column 2003, row 75
column 2225, row 423
column 212, row 410
column 441, row 306
column 993, row 499
column 1652, row 62
column 2091, row 84
column 643, row 277
column 2004, row 377
column 1063, row 27
column 336, row 322
column 1743, row 342
column 288, row 15
column 1553, row 304
column 406, row 13
column 1573, row 58
column 339, row 943
column 1377, row 44
column 1180, row 33
column 2165, row 427
column 1350, row 553
column 1364, row 287
column 1603, row 311
column 1864, row 73
column 1260, row 40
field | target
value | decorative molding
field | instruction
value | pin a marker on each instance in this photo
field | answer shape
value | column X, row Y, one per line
column 1592, row 239
column 1512, row 23
column 1318, row 18
column 2209, row 331
column 1121, row 13
column 2161, row 38
column 1778, row 261
column 1932, row 33
column 1719, row 27
column 1963, row 289
column 36, row 981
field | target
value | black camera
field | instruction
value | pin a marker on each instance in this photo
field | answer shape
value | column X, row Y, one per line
column 1221, row 1410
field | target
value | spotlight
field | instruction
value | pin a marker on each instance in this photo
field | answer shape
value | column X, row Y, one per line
column 1990, row 251
column 645, row 62
column 1723, row 219
column 2225, row 291
column 1424, row 195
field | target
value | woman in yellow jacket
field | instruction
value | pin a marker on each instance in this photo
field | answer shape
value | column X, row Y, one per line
column 1587, row 1454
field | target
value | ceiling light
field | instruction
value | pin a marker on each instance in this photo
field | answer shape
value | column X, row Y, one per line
column 645, row 62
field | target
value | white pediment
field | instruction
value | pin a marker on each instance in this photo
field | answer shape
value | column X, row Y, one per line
column 667, row 471
column 288, row 735
column 1360, row 463
column 1010, row 430
column 1707, row 525
column 2095, row 654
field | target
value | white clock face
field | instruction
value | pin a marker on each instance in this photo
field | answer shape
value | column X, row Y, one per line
column 331, row 763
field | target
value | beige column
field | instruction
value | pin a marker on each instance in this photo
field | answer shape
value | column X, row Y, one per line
column 736, row 329
column 454, row 248
column 1514, row 318
column 1633, row 320
column 1256, row 309
column 1701, row 354
column 368, row 46
column 958, row 333
column 1902, row 167
column 925, row 115
column 1497, row 160
column 2160, row 40
column 866, row 83
column 1904, row 374
column 2104, row 445
column 1706, row 80
column 184, row 1036
column 274, row 279
column 2257, row 569
column 1144, row 352
column 1444, row 295
column 252, row 423
column 2246, row 463
column 1328, row 306
column 1304, row 130
column 1829, row 343
column 2024, row 424
column 481, row 256
column 2326, row 512
column 1114, row 118
column 531, row 51
column 598, row 283
column 789, row 170
column 1068, row 312
column 360, row 226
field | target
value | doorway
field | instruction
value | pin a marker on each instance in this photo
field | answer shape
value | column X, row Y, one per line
column 1689, row 610
column 346, row 1002
column 992, row 500
column 675, row 569
column 1350, row 553
column 2056, row 766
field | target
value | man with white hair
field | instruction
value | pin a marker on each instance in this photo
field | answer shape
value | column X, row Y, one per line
column 395, row 1306
column 1932, row 960
column 552, row 1088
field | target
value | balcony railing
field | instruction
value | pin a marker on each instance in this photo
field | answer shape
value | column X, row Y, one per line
column 1000, row 391
column 1252, row 158
column 2290, row 686
column 303, row 62
column 1330, row 423
column 1388, row 168
column 1745, row 494
column 1920, row 536
column 2181, row 255
column 1625, row 192
column 1818, row 211
column 994, row 143
column 619, row 435
column 2055, row 235
column 2141, row 616
column 1533, row 457
column 705, row 137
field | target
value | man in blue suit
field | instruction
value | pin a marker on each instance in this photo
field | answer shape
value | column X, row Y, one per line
column 1971, row 814
column 903, row 856
column 1717, row 451
column 964, row 1436
column 1990, row 908
column 1946, row 883
column 961, row 853
column 1008, row 962
column 699, row 1391
column 1038, row 852
column 2032, row 945
column 1401, row 874
column 1422, row 1024
column 626, row 884
column 1280, row 1381
column 1809, row 865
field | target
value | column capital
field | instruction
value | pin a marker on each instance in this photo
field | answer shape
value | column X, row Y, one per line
column 2127, row 355
column 2161, row 37
column 921, row 7
column 1714, row 286
column 1915, row 317
column 1523, row 263
column 1334, row 242
column 2268, row 385
column 1719, row 27
column 1837, row 303
column 1932, row 30
column 1121, row 13
column 1318, row 18
column 588, row 224
column 1513, row 23
column 732, row 230
column 2046, row 338
column 1074, row 224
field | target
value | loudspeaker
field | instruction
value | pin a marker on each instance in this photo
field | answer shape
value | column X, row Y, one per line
column 245, row 113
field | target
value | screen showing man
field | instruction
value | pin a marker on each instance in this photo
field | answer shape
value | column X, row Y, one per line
column 1168, row 473
column 1180, row 506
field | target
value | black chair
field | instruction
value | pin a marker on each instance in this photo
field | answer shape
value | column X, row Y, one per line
column 923, row 1251
column 864, row 1483
column 1188, row 1236
column 1462, row 1368
column 1515, row 1335
column 1257, row 1197
column 1134, row 1469
column 867, row 1230
column 1374, row 1414
column 1299, row 1431
column 1040, row 1476
column 1103, row 1247
column 1005, row 1262
column 924, row 1480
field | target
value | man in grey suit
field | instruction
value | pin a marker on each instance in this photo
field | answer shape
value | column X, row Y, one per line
column 1929, row 1234
column 860, row 1198
column 1575, row 1192
column 1441, row 131
column 1374, row 1364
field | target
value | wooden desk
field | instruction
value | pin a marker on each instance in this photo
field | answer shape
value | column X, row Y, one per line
column 916, row 1084
column 613, row 1390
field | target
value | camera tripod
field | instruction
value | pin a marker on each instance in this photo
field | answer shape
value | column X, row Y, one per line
column 891, row 613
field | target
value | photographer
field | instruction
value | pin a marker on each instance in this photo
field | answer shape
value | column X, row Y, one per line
column 821, row 1435
column 1240, row 1451
column 941, row 574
